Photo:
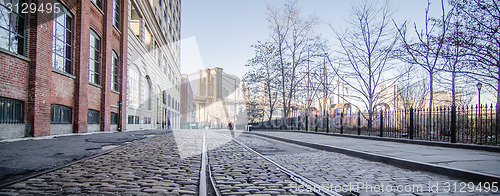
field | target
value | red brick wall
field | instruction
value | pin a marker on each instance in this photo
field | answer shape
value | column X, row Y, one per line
column 63, row 90
column 13, row 77
column 32, row 80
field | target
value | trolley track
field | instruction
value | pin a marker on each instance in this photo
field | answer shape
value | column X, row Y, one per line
column 300, row 181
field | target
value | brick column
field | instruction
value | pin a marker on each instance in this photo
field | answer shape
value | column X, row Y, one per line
column 81, row 57
column 39, row 50
column 123, row 63
column 106, row 66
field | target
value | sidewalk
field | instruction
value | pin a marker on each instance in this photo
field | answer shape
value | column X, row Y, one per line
column 456, row 162
column 27, row 155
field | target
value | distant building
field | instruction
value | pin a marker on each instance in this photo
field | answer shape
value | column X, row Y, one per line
column 219, row 98
column 153, row 85
column 441, row 99
column 188, row 107
column 63, row 72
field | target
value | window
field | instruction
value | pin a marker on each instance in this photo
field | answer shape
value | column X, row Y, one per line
column 148, row 38
column 11, row 110
column 60, row 114
column 114, row 71
column 116, row 14
column 137, row 120
column 164, row 97
column 12, row 28
column 94, row 57
column 62, row 40
column 114, row 118
column 133, row 86
column 130, row 119
column 169, row 100
column 97, row 3
column 135, row 21
column 93, row 117
column 147, row 120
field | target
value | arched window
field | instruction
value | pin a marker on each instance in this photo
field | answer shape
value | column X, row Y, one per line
column 133, row 86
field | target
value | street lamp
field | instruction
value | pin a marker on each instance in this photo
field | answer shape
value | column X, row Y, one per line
column 479, row 85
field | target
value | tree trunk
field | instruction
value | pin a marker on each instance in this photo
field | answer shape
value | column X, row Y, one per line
column 497, row 112
column 431, row 96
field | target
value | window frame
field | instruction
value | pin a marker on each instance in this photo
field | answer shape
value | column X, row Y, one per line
column 58, row 115
column 96, row 49
column 11, row 111
column 93, row 116
column 116, row 14
column 97, row 3
column 113, row 118
column 115, row 60
column 67, row 55
column 21, row 32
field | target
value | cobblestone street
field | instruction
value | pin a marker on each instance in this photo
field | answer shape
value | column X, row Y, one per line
column 169, row 164
column 332, row 170
column 147, row 167
column 240, row 172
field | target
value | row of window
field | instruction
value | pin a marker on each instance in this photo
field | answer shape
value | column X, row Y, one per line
column 94, row 61
column 136, row 120
column 11, row 111
column 116, row 11
column 13, row 31
column 60, row 114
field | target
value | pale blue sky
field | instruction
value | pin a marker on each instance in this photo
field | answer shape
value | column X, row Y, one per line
column 221, row 32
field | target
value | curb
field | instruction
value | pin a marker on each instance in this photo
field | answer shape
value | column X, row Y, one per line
column 401, row 140
column 405, row 163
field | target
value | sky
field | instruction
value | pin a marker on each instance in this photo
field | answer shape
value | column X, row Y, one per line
column 220, row 33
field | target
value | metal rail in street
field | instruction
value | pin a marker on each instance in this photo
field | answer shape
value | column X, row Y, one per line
column 308, row 184
column 206, row 173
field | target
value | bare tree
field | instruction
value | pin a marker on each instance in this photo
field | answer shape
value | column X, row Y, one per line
column 479, row 35
column 292, row 37
column 411, row 87
column 262, row 76
column 428, row 49
column 365, row 53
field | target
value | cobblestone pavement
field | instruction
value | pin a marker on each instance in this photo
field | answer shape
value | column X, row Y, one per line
column 335, row 170
column 146, row 167
column 239, row 172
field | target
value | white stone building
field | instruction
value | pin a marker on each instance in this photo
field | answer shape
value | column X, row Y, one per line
column 153, row 82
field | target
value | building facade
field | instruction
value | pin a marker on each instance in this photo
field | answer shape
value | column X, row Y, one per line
column 153, row 66
column 62, row 70
column 188, row 108
column 219, row 99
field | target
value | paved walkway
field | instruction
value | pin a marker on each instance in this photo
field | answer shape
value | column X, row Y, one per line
column 454, row 158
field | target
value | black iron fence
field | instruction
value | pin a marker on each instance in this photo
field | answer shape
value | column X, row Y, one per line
column 471, row 124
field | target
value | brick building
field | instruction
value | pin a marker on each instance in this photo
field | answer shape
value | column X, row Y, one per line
column 63, row 72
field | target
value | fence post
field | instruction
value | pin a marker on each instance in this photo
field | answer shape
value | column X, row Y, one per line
column 341, row 123
column 316, row 123
column 299, row 120
column 453, row 124
column 411, row 124
column 327, row 121
column 381, row 123
column 359, row 122
column 307, row 122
